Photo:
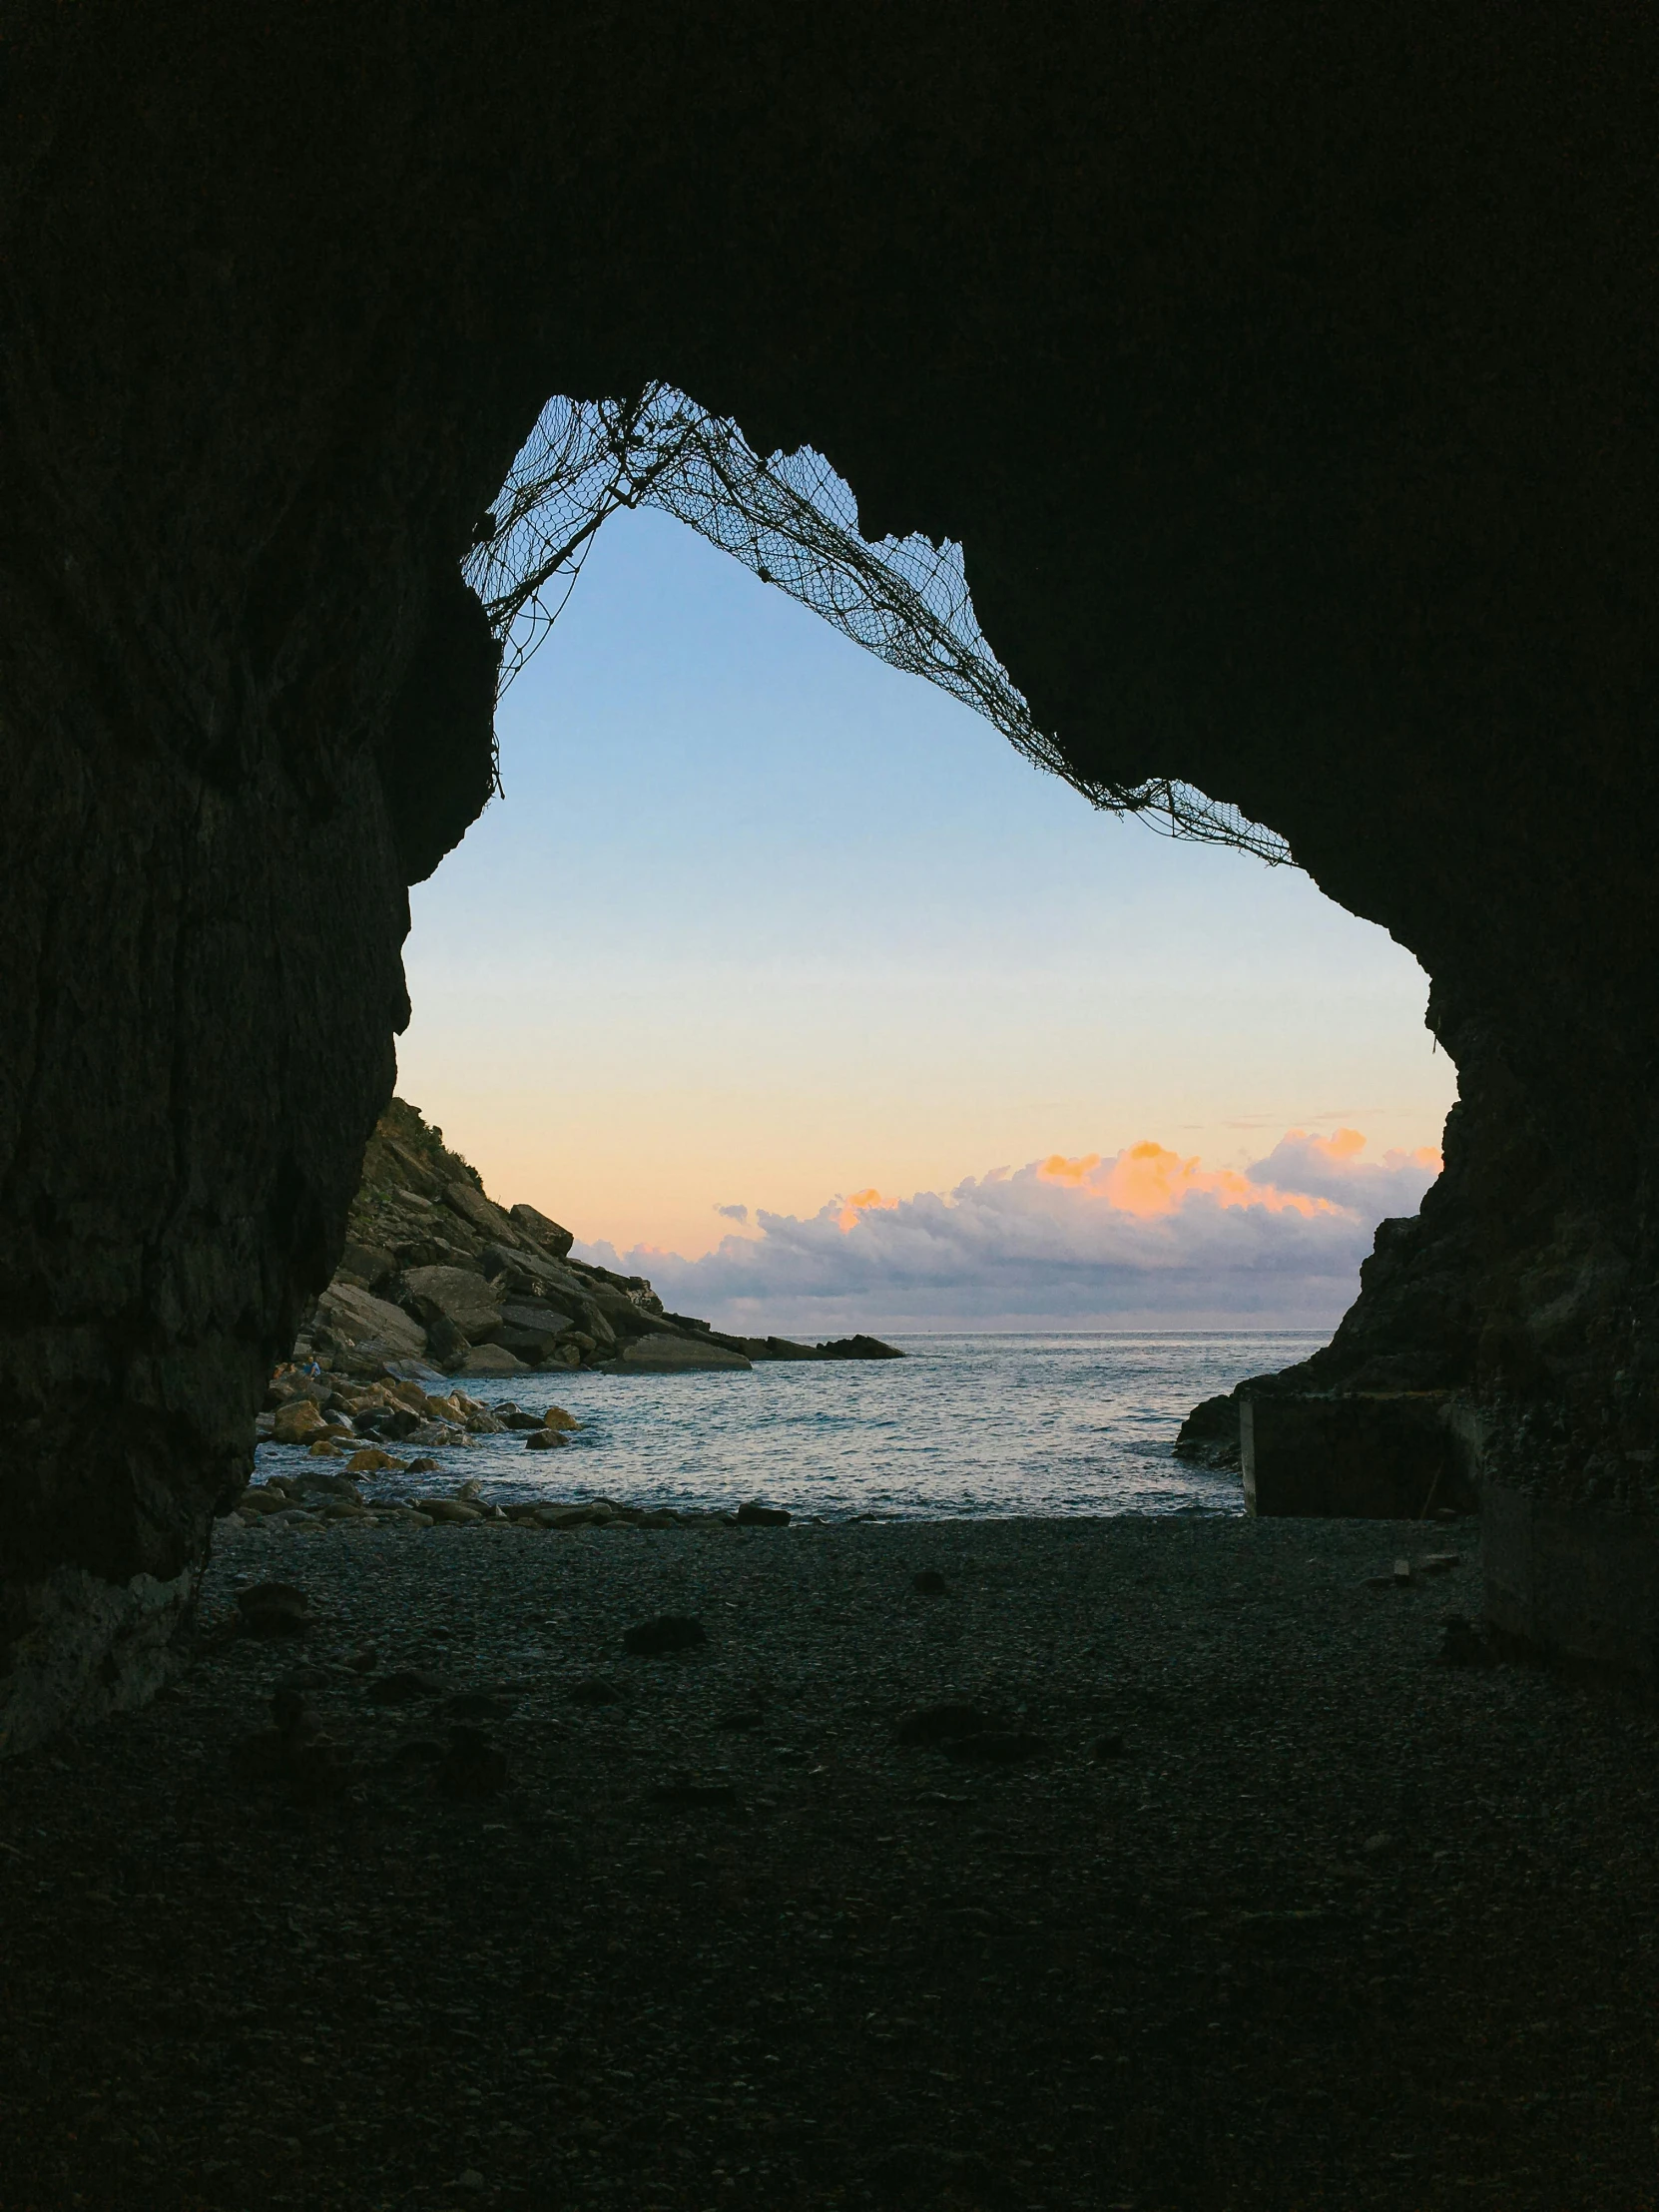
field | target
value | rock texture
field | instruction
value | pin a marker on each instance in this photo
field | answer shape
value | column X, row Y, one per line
column 1289, row 381
column 434, row 1270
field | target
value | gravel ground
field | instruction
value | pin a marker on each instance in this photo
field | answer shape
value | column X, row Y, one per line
column 1276, row 1912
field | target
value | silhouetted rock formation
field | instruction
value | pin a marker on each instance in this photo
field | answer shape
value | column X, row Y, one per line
column 1289, row 381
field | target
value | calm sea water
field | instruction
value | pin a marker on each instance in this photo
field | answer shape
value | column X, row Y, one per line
column 966, row 1424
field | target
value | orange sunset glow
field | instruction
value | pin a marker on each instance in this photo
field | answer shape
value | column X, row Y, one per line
column 860, row 1203
column 1148, row 1179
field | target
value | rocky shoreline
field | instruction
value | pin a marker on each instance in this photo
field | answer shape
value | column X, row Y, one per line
column 437, row 1283
column 330, row 1419
column 437, row 1280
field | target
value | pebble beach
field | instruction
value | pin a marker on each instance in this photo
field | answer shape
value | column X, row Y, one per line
column 1227, row 1890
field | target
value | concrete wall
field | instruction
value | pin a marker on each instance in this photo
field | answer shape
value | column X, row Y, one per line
column 1372, row 1455
column 1573, row 1584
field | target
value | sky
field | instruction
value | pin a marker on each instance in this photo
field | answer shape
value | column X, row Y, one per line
column 763, row 927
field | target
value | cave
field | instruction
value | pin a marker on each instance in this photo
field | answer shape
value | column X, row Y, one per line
column 1288, row 381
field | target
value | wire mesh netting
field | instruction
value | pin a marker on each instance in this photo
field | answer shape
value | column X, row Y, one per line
column 794, row 523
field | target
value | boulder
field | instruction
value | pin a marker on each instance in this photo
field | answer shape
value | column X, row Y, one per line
column 474, row 1208
column 532, row 1346
column 688, row 1325
column 524, row 1278
column 364, row 1320
column 446, row 1343
column 456, row 1296
column 371, row 1461
column 298, row 1422
column 626, row 1316
column 1210, row 1432
column 263, row 1500
column 493, row 1358
column 289, row 1384
column 521, row 1274
column 390, row 1423
column 658, row 1354
column 550, row 1238
column 315, row 1483
column 633, row 1288
column 409, row 1374
column 538, row 1314
column 366, row 1266
column 427, row 1251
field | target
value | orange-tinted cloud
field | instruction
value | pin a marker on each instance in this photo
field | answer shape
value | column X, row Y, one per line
column 1332, row 1167
column 853, row 1209
column 1144, row 1231
column 1146, row 1180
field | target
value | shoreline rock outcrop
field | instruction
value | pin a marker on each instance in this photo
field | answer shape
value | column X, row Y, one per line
column 433, row 1272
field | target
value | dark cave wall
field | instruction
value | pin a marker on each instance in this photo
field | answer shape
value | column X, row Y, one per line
column 229, row 613
column 1288, row 380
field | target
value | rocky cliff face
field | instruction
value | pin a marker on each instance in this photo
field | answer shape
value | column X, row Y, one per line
column 433, row 1271
column 1289, row 385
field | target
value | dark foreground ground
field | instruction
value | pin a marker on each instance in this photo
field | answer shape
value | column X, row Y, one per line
column 1338, row 1927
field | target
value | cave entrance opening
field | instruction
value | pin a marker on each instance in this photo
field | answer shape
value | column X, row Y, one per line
column 768, row 923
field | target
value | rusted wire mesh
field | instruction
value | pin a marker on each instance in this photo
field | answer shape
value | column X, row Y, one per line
column 793, row 522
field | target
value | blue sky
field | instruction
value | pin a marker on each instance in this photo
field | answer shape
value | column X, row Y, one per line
column 761, row 921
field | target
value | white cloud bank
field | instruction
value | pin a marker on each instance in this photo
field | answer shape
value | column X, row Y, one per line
column 1145, row 1239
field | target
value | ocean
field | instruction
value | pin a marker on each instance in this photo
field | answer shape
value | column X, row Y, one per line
column 964, row 1425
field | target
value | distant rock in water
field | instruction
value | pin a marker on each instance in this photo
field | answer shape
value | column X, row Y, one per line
column 666, row 1355
column 436, row 1279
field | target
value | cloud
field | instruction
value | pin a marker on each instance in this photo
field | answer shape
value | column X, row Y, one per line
column 733, row 1213
column 1144, row 1238
column 1331, row 1168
